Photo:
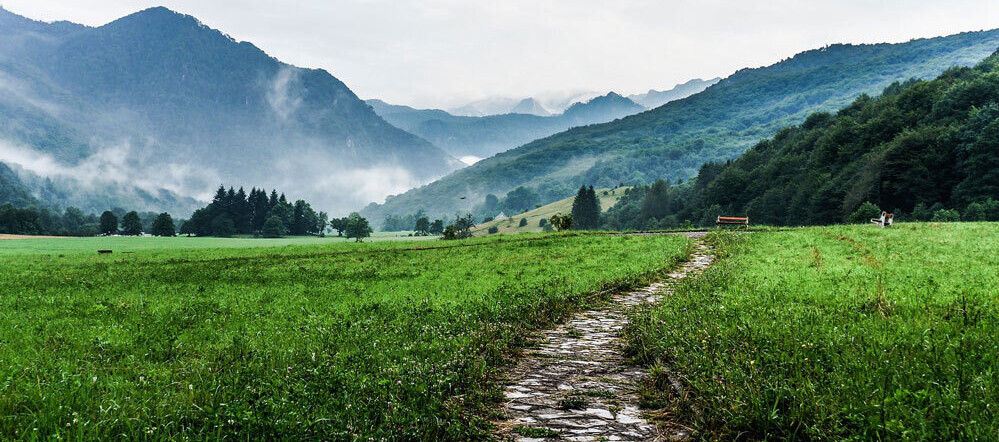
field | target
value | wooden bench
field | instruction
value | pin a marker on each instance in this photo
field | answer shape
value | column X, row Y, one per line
column 732, row 221
column 886, row 219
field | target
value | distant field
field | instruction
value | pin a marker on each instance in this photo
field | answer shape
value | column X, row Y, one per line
column 20, row 245
column 337, row 341
column 835, row 333
column 511, row 224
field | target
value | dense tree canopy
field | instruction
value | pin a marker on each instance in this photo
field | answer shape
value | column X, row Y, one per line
column 922, row 150
column 109, row 223
column 131, row 224
column 163, row 226
column 357, row 227
column 247, row 213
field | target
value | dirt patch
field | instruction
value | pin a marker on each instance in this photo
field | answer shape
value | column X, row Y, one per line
column 4, row 236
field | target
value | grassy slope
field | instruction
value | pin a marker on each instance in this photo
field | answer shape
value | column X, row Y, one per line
column 392, row 340
column 512, row 224
column 833, row 333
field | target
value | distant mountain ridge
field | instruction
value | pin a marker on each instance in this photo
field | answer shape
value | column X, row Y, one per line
column 176, row 106
column 487, row 136
column 653, row 98
column 530, row 106
column 672, row 141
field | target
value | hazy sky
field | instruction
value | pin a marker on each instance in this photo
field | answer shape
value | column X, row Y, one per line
column 445, row 52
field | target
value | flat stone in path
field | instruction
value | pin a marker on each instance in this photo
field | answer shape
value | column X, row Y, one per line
column 576, row 385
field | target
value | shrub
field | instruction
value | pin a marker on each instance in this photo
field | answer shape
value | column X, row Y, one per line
column 974, row 212
column 865, row 213
column 493, row 229
column 523, row 222
column 561, row 222
column 921, row 213
column 543, row 222
column 946, row 216
column 273, row 227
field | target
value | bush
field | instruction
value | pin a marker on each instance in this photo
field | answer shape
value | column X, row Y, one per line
column 921, row 213
column 561, row 222
column 273, row 227
column 493, row 230
column 974, row 212
column 946, row 216
column 865, row 213
column 523, row 222
column 543, row 222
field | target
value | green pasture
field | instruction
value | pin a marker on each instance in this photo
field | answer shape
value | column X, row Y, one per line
column 833, row 333
column 331, row 341
column 120, row 244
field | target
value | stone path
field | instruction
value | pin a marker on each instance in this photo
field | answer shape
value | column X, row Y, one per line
column 576, row 385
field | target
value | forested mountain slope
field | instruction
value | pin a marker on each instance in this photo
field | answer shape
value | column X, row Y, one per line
column 164, row 102
column 720, row 123
column 922, row 149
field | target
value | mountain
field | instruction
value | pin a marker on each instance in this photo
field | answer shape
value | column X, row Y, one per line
column 158, row 102
column 486, row 136
column 672, row 141
column 530, row 106
column 485, row 107
column 653, row 98
column 922, row 150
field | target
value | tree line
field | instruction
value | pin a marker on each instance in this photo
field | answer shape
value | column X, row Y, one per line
column 74, row 222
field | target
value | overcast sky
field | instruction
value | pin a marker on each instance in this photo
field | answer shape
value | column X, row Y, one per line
column 441, row 53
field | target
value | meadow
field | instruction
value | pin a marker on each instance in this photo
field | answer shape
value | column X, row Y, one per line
column 22, row 245
column 334, row 341
column 833, row 333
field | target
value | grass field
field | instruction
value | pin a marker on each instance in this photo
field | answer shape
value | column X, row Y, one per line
column 511, row 224
column 388, row 341
column 834, row 333
column 119, row 244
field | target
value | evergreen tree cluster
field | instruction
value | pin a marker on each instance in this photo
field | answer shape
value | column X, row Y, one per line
column 586, row 209
column 234, row 212
column 923, row 150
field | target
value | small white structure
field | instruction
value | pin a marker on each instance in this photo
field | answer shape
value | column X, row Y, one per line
column 885, row 220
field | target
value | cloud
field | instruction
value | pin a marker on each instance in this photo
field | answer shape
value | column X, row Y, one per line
column 283, row 92
column 15, row 89
column 118, row 166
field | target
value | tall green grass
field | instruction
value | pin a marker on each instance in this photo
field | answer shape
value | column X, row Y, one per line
column 388, row 341
column 834, row 333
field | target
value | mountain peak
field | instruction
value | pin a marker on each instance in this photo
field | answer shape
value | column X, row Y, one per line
column 530, row 106
column 157, row 16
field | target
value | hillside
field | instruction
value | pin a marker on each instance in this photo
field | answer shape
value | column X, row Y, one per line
column 169, row 105
column 672, row 141
column 511, row 224
column 922, row 150
column 486, row 136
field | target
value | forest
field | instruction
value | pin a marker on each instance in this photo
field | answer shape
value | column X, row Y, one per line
column 923, row 150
